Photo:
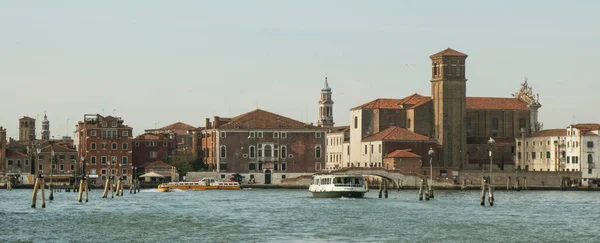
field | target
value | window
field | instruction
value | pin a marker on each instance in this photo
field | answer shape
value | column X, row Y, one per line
column 522, row 123
column 137, row 144
column 252, row 151
column 223, row 152
column 153, row 154
column 103, row 146
column 103, row 159
column 114, row 146
column 379, row 148
column 165, row 144
column 10, row 162
column 252, row 166
column 590, row 159
column 318, row 134
column 318, row 152
column 371, row 148
column 93, row 146
column 260, row 134
column 276, row 150
column 532, row 155
column 124, row 160
column 251, row 135
column 61, row 157
column 365, row 149
column 113, row 171
column 114, row 124
column 113, row 159
column 283, row 167
column 40, row 167
column 283, row 152
column 260, row 151
column 547, row 155
column 495, row 124
column 408, row 123
column 61, row 167
column 589, row 171
column 124, row 146
column 93, row 160
column 275, row 166
column 165, row 155
column 519, row 155
column 104, row 172
column 223, row 134
column 125, row 133
column 283, row 135
column 72, row 156
column 124, row 171
column 356, row 122
column 282, row 176
column 275, row 135
column 348, row 149
column 53, row 166
column 468, row 123
column 93, row 133
column 260, row 167
column 590, row 144
column 267, row 150
column 568, row 159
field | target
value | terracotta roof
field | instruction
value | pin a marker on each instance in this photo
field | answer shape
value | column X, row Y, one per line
column 493, row 103
column 260, row 119
column 402, row 153
column 396, row 133
column 10, row 154
column 381, row 103
column 150, row 136
column 339, row 129
column 449, row 52
column 26, row 118
column 57, row 149
column 414, row 100
column 587, row 126
column 156, row 164
column 549, row 133
column 178, row 127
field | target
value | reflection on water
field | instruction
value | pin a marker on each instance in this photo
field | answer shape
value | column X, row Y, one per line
column 259, row 215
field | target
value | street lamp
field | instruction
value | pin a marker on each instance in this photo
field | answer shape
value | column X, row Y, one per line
column 491, row 143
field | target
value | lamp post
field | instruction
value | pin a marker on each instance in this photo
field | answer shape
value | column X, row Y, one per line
column 491, row 143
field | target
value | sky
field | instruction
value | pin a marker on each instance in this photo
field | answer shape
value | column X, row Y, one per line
column 154, row 63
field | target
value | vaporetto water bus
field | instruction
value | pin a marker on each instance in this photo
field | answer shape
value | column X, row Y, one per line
column 342, row 185
column 204, row 184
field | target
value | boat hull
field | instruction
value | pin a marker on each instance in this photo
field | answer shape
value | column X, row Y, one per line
column 163, row 189
column 346, row 194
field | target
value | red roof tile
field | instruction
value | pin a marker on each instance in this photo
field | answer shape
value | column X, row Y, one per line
column 260, row 119
column 396, row 133
column 413, row 101
column 493, row 103
column 10, row 154
column 587, row 126
column 381, row 103
column 549, row 133
column 150, row 136
column 449, row 52
column 58, row 149
column 339, row 129
column 402, row 153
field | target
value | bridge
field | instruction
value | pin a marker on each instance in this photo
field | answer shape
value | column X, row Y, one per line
column 395, row 178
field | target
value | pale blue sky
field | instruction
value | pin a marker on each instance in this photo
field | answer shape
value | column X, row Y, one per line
column 159, row 62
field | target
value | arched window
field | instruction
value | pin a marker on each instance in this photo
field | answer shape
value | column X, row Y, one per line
column 435, row 69
column 356, row 122
column 267, row 150
column 223, row 152
column 252, row 151
column 318, row 152
column 590, row 159
column 283, row 152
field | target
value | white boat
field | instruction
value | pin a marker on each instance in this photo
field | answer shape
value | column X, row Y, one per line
column 342, row 185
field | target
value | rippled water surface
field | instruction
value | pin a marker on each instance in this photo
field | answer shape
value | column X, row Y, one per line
column 263, row 215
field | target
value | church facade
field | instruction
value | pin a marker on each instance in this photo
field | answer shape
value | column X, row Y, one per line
column 459, row 125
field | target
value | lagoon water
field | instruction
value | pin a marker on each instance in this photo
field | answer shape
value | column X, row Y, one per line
column 269, row 215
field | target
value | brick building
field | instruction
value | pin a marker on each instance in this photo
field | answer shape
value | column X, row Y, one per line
column 102, row 140
column 64, row 161
column 17, row 163
column 150, row 147
column 461, row 125
column 405, row 160
column 179, row 132
column 377, row 146
column 263, row 145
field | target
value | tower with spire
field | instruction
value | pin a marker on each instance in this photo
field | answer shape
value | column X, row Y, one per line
column 45, row 128
column 325, row 107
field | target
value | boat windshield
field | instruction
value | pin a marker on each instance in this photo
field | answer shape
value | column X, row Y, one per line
column 348, row 181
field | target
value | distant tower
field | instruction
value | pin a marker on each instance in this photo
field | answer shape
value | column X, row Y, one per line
column 26, row 129
column 449, row 91
column 45, row 128
column 325, row 107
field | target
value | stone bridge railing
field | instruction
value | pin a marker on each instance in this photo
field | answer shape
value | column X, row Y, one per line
column 397, row 177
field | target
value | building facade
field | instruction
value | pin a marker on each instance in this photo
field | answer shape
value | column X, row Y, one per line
column 543, row 151
column 26, row 129
column 105, row 143
column 58, row 160
column 405, row 160
column 584, row 140
column 180, row 133
column 264, row 146
column 150, row 147
column 336, row 154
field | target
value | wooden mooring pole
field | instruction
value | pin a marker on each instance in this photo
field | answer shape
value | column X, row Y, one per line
column 421, row 191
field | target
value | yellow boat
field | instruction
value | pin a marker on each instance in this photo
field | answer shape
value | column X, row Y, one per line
column 204, row 184
column 163, row 188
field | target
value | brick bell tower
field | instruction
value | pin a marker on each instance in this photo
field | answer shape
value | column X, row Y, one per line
column 449, row 91
column 325, row 107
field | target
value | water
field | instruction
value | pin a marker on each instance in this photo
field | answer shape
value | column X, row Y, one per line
column 263, row 215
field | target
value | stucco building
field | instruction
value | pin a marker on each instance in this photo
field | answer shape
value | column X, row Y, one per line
column 105, row 142
column 263, row 146
column 337, row 139
column 543, row 151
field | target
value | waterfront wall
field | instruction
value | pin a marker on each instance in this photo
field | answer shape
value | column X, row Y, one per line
column 259, row 178
column 534, row 178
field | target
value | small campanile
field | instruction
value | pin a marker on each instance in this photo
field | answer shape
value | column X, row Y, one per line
column 45, row 128
column 449, row 91
column 325, row 107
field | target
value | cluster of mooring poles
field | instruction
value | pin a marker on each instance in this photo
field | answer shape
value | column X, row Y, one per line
column 383, row 187
column 516, row 185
